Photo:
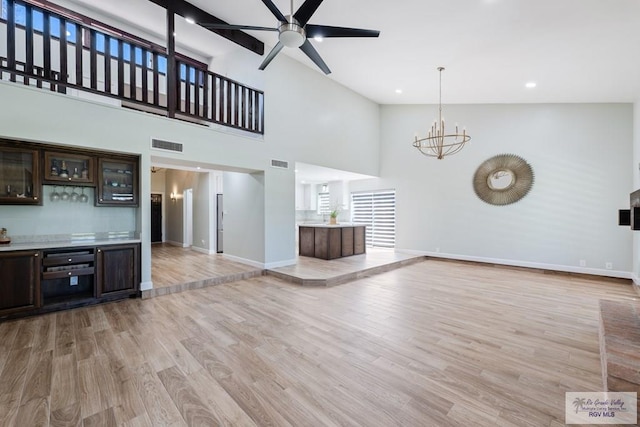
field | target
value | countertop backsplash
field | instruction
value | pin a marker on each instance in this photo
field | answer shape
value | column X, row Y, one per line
column 66, row 218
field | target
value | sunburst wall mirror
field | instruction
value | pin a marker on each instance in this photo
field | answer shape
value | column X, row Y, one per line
column 503, row 179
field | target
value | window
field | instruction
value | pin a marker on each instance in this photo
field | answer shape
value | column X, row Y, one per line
column 323, row 204
column 378, row 211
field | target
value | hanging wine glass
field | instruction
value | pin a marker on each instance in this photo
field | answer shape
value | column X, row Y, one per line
column 54, row 196
column 64, row 196
column 83, row 197
column 75, row 196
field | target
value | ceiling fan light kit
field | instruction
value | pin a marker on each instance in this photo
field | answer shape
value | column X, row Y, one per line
column 293, row 31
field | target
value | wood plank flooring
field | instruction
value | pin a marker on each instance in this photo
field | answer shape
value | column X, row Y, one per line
column 431, row 344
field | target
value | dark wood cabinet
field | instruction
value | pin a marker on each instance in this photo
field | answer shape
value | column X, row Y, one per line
column 359, row 239
column 19, row 175
column 19, row 281
column 118, row 270
column 68, row 168
column 328, row 242
column 117, row 181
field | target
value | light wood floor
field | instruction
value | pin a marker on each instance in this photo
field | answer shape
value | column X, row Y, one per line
column 171, row 265
column 433, row 344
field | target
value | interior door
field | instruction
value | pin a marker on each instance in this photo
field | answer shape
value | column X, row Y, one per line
column 156, row 218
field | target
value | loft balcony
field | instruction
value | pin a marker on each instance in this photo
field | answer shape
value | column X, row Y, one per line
column 57, row 51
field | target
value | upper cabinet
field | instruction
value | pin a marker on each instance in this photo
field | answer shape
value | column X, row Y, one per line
column 117, row 181
column 19, row 176
column 26, row 166
column 66, row 168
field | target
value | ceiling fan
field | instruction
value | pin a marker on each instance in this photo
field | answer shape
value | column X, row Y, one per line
column 294, row 30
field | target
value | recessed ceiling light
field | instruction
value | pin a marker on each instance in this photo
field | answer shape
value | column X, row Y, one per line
column 398, row 90
column 198, row 168
column 530, row 85
column 318, row 39
column 190, row 21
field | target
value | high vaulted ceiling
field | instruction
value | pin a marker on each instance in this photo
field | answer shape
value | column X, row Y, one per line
column 575, row 50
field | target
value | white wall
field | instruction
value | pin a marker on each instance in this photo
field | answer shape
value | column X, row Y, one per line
column 582, row 159
column 244, row 216
column 202, row 214
column 68, row 217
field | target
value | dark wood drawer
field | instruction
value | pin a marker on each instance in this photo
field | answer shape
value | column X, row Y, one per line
column 68, row 259
column 68, row 273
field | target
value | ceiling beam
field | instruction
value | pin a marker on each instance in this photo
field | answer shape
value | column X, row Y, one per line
column 184, row 9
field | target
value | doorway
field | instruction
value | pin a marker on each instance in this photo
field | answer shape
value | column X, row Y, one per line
column 156, row 218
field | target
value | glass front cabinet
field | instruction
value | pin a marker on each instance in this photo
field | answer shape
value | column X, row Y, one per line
column 19, row 176
column 68, row 168
column 117, row 182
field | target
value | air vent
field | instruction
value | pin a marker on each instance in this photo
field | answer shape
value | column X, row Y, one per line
column 281, row 164
column 159, row 144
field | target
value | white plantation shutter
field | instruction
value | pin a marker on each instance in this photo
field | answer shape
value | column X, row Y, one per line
column 378, row 211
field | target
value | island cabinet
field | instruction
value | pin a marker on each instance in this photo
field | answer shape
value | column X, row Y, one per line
column 331, row 241
column 19, row 281
column 118, row 270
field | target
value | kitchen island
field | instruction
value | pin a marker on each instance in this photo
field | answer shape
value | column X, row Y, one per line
column 327, row 241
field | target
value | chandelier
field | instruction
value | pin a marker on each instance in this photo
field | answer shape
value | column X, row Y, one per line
column 438, row 143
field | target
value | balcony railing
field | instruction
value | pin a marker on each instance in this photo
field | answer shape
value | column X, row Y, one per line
column 53, row 51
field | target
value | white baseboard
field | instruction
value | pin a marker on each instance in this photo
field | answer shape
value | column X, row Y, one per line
column 145, row 286
column 203, row 250
column 244, row 261
column 527, row 264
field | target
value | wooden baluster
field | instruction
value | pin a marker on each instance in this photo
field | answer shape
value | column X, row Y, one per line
column 11, row 39
column 205, row 94
column 187, row 89
column 261, row 107
column 145, row 76
column 93, row 60
column 196, row 93
column 46, row 36
column 250, row 121
column 230, row 93
column 107, row 64
column 63, row 77
column 156, row 82
column 78, row 52
column 133, row 90
column 215, row 97
column 28, row 44
column 120, row 44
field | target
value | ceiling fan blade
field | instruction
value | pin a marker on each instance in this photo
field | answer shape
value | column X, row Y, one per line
column 274, row 9
column 313, row 54
column 327, row 31
column 237, row 27
column 276, row 49
column 308, row 8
